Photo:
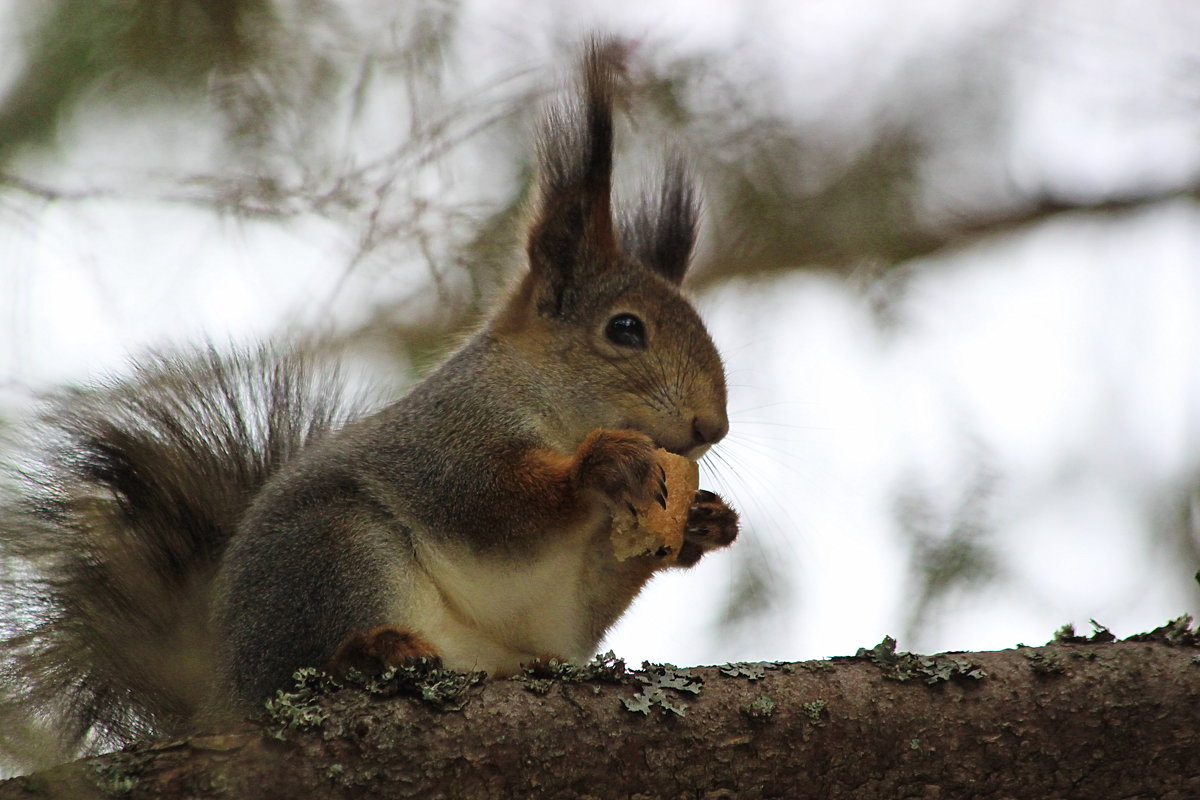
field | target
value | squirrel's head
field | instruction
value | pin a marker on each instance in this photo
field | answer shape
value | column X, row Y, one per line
column 599, row 311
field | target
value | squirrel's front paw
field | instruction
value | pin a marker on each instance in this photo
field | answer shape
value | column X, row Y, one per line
column 622, row 467
column 371, row 652
column 711, row 525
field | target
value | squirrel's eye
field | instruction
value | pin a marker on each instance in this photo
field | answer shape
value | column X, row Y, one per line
column 626, row 330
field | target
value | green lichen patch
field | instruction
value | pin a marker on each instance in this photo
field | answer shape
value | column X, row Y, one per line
column 299, row 709
column 753, row 671
column 666, row 676
column 908, row 666
column 536, row 685
column 761, row 709
column 605, row 667
column 741, row 669
column 1176, row 633
column 814, row 709
column 657, row 680
column 1046, row 663
column 1100, row 635
column 541, row 676
column 444, row 689
column 117, row 774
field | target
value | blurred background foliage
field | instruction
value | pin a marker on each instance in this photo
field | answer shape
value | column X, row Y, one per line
column 398, row 134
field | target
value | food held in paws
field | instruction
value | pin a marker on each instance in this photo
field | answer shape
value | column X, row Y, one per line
column 656, row 530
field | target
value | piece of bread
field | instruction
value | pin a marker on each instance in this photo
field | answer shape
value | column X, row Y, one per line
column 656, row 530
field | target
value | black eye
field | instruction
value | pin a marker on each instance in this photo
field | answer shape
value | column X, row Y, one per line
column 626, row 330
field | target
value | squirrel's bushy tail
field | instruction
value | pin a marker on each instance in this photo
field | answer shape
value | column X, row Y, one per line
column 124, row 498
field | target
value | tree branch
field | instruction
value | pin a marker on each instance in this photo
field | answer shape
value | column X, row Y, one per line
column 1089, row 720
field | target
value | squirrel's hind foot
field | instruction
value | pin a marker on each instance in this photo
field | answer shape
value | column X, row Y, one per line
column 374, row 651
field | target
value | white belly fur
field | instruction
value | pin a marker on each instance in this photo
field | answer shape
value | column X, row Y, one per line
column 493, row 614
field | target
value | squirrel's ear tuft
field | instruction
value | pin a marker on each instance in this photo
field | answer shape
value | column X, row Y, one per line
column 661, row 230
column 572, row 235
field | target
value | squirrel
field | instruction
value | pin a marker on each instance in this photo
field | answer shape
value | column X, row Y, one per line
column 188, row 537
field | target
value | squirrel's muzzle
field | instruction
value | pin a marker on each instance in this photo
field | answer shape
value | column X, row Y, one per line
column 708, row 429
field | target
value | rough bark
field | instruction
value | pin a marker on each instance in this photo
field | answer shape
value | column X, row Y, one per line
column 1085, row 719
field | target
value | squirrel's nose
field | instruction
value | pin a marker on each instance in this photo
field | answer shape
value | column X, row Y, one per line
column 709, row 428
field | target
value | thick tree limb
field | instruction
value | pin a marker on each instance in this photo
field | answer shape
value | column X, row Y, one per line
column 1086, row 720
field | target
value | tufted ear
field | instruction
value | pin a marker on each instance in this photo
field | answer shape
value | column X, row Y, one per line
column 661, row 230
column 572, row 238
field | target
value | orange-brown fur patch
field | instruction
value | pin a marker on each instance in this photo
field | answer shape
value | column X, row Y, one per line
column 371, row 652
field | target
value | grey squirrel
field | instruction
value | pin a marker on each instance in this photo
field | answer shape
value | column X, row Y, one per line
column 186, row 539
